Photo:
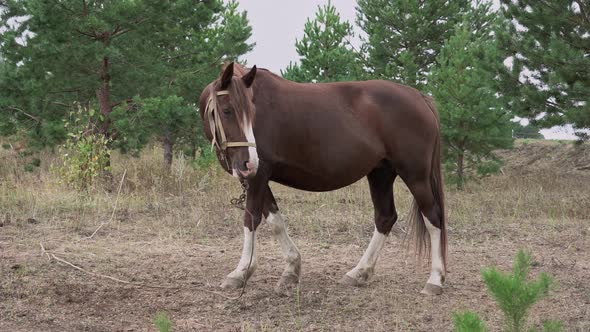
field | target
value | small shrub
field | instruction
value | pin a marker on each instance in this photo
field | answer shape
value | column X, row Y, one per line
column 515, row 296
column 468, row 322
column 85, row 157
column 513, row 293
column 85, row 153
column 206, row 158
column 163, row 322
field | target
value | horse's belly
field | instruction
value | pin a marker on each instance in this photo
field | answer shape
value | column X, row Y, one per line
column 322, row 178
column 313, row 184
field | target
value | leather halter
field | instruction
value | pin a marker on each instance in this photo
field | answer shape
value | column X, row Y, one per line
column 212, row 114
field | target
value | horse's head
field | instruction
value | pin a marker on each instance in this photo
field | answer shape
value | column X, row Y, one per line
column 228, row 116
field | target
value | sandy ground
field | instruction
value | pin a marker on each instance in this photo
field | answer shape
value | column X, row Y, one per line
column 41, row 295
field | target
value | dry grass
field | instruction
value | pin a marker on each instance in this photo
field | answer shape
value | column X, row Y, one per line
column 177, row 228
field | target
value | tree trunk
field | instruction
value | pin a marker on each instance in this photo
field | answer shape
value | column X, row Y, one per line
column 460, row 169
column 194, row 151
column 168, row 151
column 103, row 94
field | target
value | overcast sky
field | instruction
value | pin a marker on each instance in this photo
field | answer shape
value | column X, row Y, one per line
column 276, row 24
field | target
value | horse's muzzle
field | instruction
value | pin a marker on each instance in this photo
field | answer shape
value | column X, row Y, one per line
column 250, row 172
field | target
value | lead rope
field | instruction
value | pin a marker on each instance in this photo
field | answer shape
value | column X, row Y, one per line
column 238, row 202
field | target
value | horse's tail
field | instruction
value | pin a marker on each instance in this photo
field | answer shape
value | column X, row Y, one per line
column 415, row 219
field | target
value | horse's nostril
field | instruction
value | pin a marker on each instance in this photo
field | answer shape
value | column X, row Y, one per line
column 246, row 165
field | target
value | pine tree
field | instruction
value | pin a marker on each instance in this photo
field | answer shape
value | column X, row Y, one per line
column 325, row 52
column 9, row 112
column 473, row 121
column 405, row 37
column 169, row 113
column 106, row 53
column 550, row 75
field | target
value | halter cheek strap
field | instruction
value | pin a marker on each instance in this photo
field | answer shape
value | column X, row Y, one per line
column 212, row 114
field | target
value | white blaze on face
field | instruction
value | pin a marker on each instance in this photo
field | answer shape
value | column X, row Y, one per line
column 437, row 272
column 249, row 133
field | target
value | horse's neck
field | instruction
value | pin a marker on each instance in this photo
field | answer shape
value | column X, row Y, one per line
column 267, row 85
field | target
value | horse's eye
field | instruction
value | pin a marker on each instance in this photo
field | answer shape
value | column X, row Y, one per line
column 226, row 111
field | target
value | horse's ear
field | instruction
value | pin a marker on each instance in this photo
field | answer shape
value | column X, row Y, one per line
column 249, row 78
column 227, row 75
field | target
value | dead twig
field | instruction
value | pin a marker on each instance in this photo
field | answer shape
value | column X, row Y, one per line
column 44, row 251
column 101, row 275
column 51, row 256
column 114, row 208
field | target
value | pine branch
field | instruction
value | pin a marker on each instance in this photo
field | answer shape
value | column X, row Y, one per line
column 65, row 91
column 181, row 55
column 120, row 31
column 556, row 11
column 13, row 108
column 66, row 8
column 128, row 101
column 88, row 34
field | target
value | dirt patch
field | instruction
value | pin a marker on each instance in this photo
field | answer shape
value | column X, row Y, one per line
column 552, row 156
column 41, row 295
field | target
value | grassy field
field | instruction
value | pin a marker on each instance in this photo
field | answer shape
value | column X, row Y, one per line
column 173, row 236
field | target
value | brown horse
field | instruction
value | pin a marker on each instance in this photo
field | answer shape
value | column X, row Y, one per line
column 322, row 137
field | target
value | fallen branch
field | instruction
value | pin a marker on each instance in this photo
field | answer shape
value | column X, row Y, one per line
column 51, row 256
column 101, row 275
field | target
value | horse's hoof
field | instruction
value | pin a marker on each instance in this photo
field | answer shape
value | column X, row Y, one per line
column 431, row 289
column 232, row 283
column 286, row 285
column 351, row 282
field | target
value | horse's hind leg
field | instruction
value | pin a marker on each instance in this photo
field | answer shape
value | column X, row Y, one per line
column 381, row 186
column 275, row 220
column 428, row 224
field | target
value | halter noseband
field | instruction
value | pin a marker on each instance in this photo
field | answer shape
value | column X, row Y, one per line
column 215, row 126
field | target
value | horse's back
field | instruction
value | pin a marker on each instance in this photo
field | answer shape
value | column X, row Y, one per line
column 325, row 136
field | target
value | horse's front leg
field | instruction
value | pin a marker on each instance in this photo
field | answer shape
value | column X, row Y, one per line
column 292, row 273
column 252, row 217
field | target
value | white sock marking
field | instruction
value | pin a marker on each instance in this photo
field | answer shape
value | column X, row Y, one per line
column 290, row 252
column 249, row 249
column 366, row 265
column 435, row 253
